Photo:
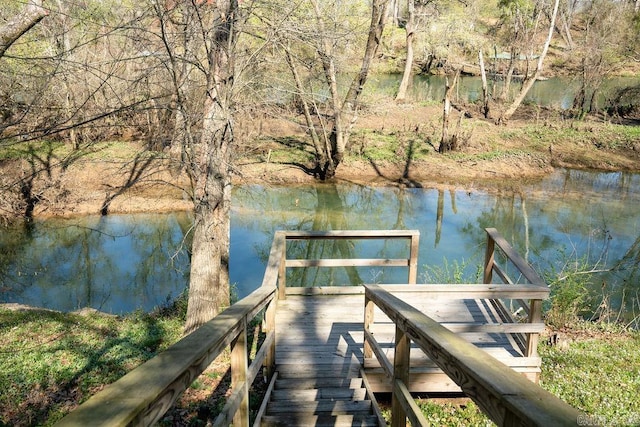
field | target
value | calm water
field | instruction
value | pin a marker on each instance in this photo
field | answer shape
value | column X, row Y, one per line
column 121, row 263
column 557, row 92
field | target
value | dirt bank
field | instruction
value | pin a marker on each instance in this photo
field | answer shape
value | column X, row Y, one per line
column 491, row 157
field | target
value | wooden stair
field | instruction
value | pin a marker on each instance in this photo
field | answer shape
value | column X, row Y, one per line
column 323, row 395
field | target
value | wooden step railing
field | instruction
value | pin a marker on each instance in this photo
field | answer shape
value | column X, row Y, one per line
column 528, row 343
column 142, row 396
column 506, row 396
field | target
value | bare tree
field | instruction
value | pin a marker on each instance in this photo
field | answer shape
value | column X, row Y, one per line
column 530, row 79
column 600, row 49
column 518, row 26
column 342, row 111
column 199, row 41
column 410, row 29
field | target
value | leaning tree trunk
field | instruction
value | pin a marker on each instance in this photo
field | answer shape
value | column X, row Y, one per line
column 506, row 87
column 347, row 115
column 408, row 64
column 209, row 279
column 530, row 80
column 448, row 141
column 485, row 90
column 11, row 31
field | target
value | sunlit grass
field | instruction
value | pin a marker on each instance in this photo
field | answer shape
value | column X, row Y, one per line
column 598, row 373
column 51, row 360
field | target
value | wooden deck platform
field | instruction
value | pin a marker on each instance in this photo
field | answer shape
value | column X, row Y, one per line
column 325, row 330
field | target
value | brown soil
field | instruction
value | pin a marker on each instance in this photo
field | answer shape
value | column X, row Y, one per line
column 84, row 186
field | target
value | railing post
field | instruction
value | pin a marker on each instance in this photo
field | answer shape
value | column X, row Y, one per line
column 239, row 367
column 270, row 326
column 413, row 259
column 535, row 316
column 401, row 366
column 489, row 260
column 368, row 320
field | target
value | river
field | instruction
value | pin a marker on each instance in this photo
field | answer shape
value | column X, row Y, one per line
column 569, row 221
column 555, row 92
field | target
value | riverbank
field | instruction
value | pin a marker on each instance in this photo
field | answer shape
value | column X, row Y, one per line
column 392, row 145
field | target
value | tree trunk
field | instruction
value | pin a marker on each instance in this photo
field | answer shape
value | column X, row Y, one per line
column 348, row 114
column 209, row 278
column 308, row 117
column 485, row 91
column 448, row 142
column 530, row 80
column 20, row 24
column 408, row 65
column 506, row 87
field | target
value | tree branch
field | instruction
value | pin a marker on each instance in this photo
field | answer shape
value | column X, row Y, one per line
column 20, row 24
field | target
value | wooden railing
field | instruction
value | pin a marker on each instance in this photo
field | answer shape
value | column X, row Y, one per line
column 506, row 396
column 528, row 343
column 411, row 263
column 142, row 396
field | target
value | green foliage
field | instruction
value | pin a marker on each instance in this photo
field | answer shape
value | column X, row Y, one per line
column 456, row 272
column 598, row 375
column 569, row 300
column 570, row 297
column 50, row 359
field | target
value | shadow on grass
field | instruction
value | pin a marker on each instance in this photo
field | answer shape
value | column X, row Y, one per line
column 51, row 362
column 404, row 180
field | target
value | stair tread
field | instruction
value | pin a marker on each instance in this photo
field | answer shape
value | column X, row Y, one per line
column 333, row 407
column 305, row 420
column 335, row 393
column 314, row 383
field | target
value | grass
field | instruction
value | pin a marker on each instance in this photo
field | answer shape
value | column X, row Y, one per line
column 598, row 372
column 50, row 361
column 596, row 369
column 59, row 152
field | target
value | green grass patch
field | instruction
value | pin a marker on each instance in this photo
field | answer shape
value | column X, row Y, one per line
column 389, row 146
column 489, row 155
column 450, row 414
column 599, row 375
column 50, row 361
column 597, row 372
column 600, row 135
column 56, row 152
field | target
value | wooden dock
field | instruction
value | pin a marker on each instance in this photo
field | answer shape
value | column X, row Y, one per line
column 328, row 350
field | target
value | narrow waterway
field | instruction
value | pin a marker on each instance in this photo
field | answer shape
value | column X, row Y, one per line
column 571, row 221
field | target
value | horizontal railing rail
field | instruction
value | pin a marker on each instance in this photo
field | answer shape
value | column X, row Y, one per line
column 506, row 396
column 411, row 263
column 494, row 238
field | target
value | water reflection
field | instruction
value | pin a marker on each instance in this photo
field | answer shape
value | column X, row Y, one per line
column 556, row 92
column 122, row 263
column 116, row 263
